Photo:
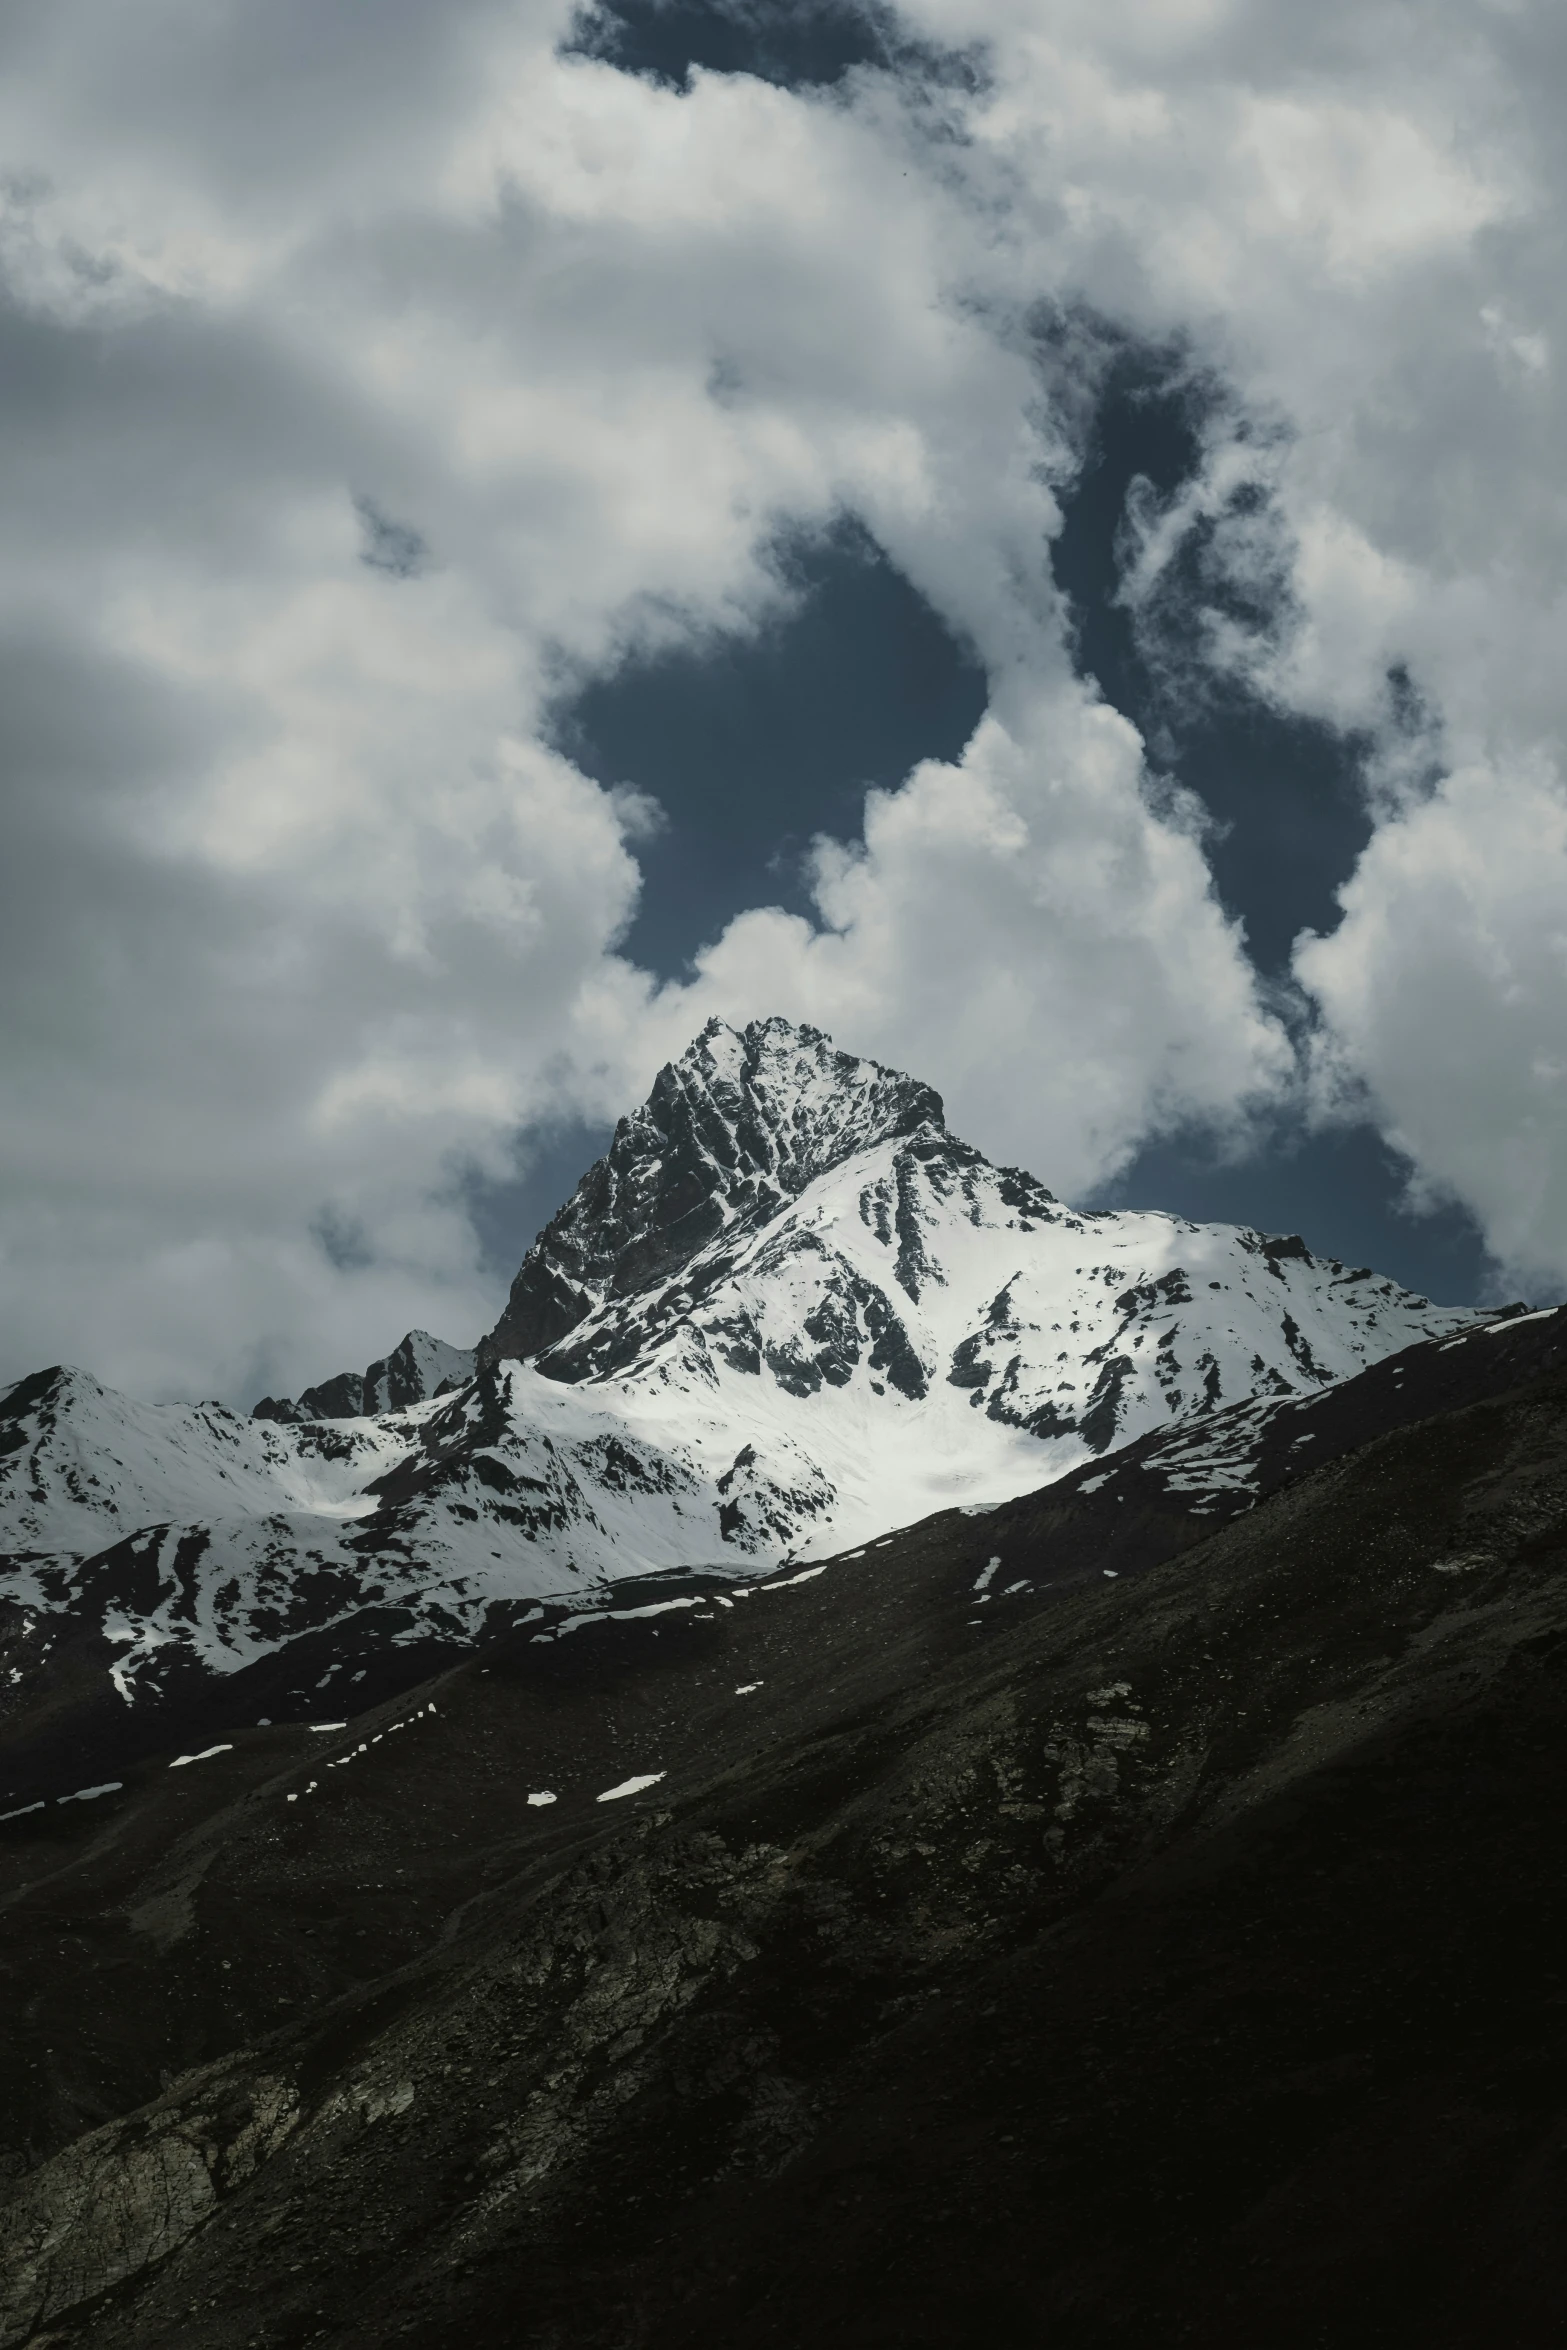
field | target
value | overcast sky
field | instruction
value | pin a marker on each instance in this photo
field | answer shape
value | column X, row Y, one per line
column 1027, row 532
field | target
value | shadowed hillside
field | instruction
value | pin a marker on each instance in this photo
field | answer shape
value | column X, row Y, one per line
column 1178, row 1953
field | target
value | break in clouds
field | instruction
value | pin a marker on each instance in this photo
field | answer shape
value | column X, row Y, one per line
column 367, row 376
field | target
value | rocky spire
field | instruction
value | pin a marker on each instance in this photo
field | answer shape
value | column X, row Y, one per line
column 743, row 1121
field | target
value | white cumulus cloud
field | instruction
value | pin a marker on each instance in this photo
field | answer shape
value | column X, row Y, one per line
column 1445, row 989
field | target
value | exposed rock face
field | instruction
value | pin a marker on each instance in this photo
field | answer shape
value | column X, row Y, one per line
column 420, row 1367
column 340, row 1398
column 731, row 1132
column 122, row 2199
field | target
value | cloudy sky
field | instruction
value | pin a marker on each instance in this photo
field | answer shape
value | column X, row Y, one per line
column 1027, row 532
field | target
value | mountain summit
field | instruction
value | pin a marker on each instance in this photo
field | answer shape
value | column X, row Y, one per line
column 781, row 1219
column 740, row 1125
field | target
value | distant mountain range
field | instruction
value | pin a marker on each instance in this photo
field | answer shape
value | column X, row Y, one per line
column 786, row 1313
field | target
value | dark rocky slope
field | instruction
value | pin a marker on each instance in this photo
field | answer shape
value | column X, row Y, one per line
column 1176, row 1955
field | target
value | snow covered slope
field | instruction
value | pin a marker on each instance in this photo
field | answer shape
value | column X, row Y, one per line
column 787, row 1242
column 787, row 1311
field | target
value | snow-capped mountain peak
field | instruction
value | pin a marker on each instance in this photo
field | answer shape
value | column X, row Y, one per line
column 742, row 1123
column 788, row 1311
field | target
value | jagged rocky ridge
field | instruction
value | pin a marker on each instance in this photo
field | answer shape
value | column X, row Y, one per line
column 420, row 1366
column 788, row 1311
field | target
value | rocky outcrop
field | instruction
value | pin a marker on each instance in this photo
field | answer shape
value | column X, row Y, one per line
column 418, row 1368
column 122, row 2199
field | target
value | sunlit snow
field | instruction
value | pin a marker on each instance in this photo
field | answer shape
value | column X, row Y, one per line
column 631, row 1786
